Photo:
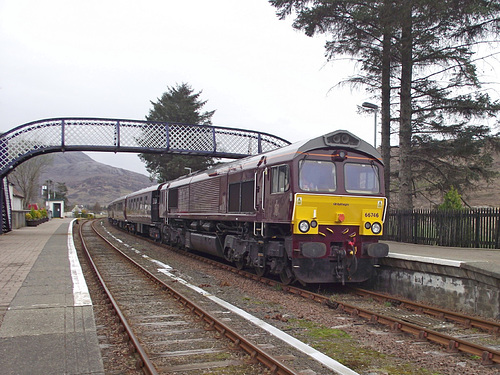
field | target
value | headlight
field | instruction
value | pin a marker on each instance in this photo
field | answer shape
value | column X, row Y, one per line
column 376, row 228
column 304, row 226
column 367, row 225
column 314, row 224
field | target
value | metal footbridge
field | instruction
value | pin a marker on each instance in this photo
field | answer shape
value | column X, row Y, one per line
column 120, row 135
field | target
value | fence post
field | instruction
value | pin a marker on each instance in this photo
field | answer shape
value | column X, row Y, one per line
column 478, row 228
column 398, row 217
column 497, row 239
column 415, row 226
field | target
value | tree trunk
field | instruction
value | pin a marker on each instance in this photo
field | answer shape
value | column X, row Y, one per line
column 386, row 112
column 405, row 126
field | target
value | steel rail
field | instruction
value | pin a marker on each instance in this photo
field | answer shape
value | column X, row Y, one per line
column 144, row 362
column 488, row 355
column 466, row 320
column 255, row 353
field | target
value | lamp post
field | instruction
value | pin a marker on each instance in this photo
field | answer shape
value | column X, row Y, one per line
column 373, row 107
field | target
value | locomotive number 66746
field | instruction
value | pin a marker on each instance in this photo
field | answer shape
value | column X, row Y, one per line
column 312, row 211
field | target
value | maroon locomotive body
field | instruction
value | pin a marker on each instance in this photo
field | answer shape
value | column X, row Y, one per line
column 312, row 211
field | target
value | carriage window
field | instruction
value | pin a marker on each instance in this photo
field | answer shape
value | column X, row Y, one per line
column 361, row 178
column 280, row 179
column 317, row 175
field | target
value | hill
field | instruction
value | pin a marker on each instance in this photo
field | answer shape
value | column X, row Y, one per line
column 90, row 182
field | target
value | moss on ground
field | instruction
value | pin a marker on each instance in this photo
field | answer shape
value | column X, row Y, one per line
column 340, row 346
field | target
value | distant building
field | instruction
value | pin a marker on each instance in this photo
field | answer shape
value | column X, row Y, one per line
column 17, row 207
column 55, row 208
column 17, row 198
column 77, row 210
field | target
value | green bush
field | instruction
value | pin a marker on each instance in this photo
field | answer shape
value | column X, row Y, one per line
column 37, row 214
column 452, row 200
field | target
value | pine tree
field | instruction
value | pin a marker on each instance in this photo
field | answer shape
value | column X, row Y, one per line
column 179, row 104
column 452, row 200
column 416, row 55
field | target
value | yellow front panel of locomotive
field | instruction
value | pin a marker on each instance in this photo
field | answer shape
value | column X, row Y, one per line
column 335, row 210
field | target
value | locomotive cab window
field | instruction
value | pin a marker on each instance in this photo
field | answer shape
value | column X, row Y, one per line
column 361, row 178
column 280, row 179
column 315, row 175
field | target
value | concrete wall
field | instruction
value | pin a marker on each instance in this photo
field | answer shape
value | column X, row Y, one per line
column 19, row 219
column 465, row 288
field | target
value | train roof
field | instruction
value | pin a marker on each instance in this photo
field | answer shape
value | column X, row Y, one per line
column 135, row 193
column 336, row 139
column 341, row 139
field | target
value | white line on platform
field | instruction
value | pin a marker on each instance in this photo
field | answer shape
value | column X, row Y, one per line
column 423, row 259
column 81, row 296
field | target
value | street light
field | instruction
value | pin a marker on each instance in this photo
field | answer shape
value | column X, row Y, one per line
column 374, row 107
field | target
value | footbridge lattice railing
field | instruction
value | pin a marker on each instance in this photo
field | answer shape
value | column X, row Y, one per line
column 117, row 135
column 94, row 134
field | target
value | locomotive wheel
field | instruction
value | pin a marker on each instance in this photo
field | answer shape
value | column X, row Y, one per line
column 286, row 276
column 260, row 271
column 240, row 264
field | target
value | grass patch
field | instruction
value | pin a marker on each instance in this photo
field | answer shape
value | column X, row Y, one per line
column 340, row 346
column 319, row 332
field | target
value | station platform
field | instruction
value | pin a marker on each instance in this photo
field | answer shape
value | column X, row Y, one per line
column 486, row 261
column 47, row 323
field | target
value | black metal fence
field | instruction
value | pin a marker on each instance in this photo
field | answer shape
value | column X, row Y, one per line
column 479, row 228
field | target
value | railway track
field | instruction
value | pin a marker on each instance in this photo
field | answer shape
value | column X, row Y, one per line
column 396, row 317
column 436, row 330
column 170, row 333
column 462, row 319
column 456, row 332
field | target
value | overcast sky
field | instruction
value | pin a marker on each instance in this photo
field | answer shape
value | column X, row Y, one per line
column 109, row 58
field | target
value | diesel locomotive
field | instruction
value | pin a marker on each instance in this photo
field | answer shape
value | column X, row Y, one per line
column 312, row 211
